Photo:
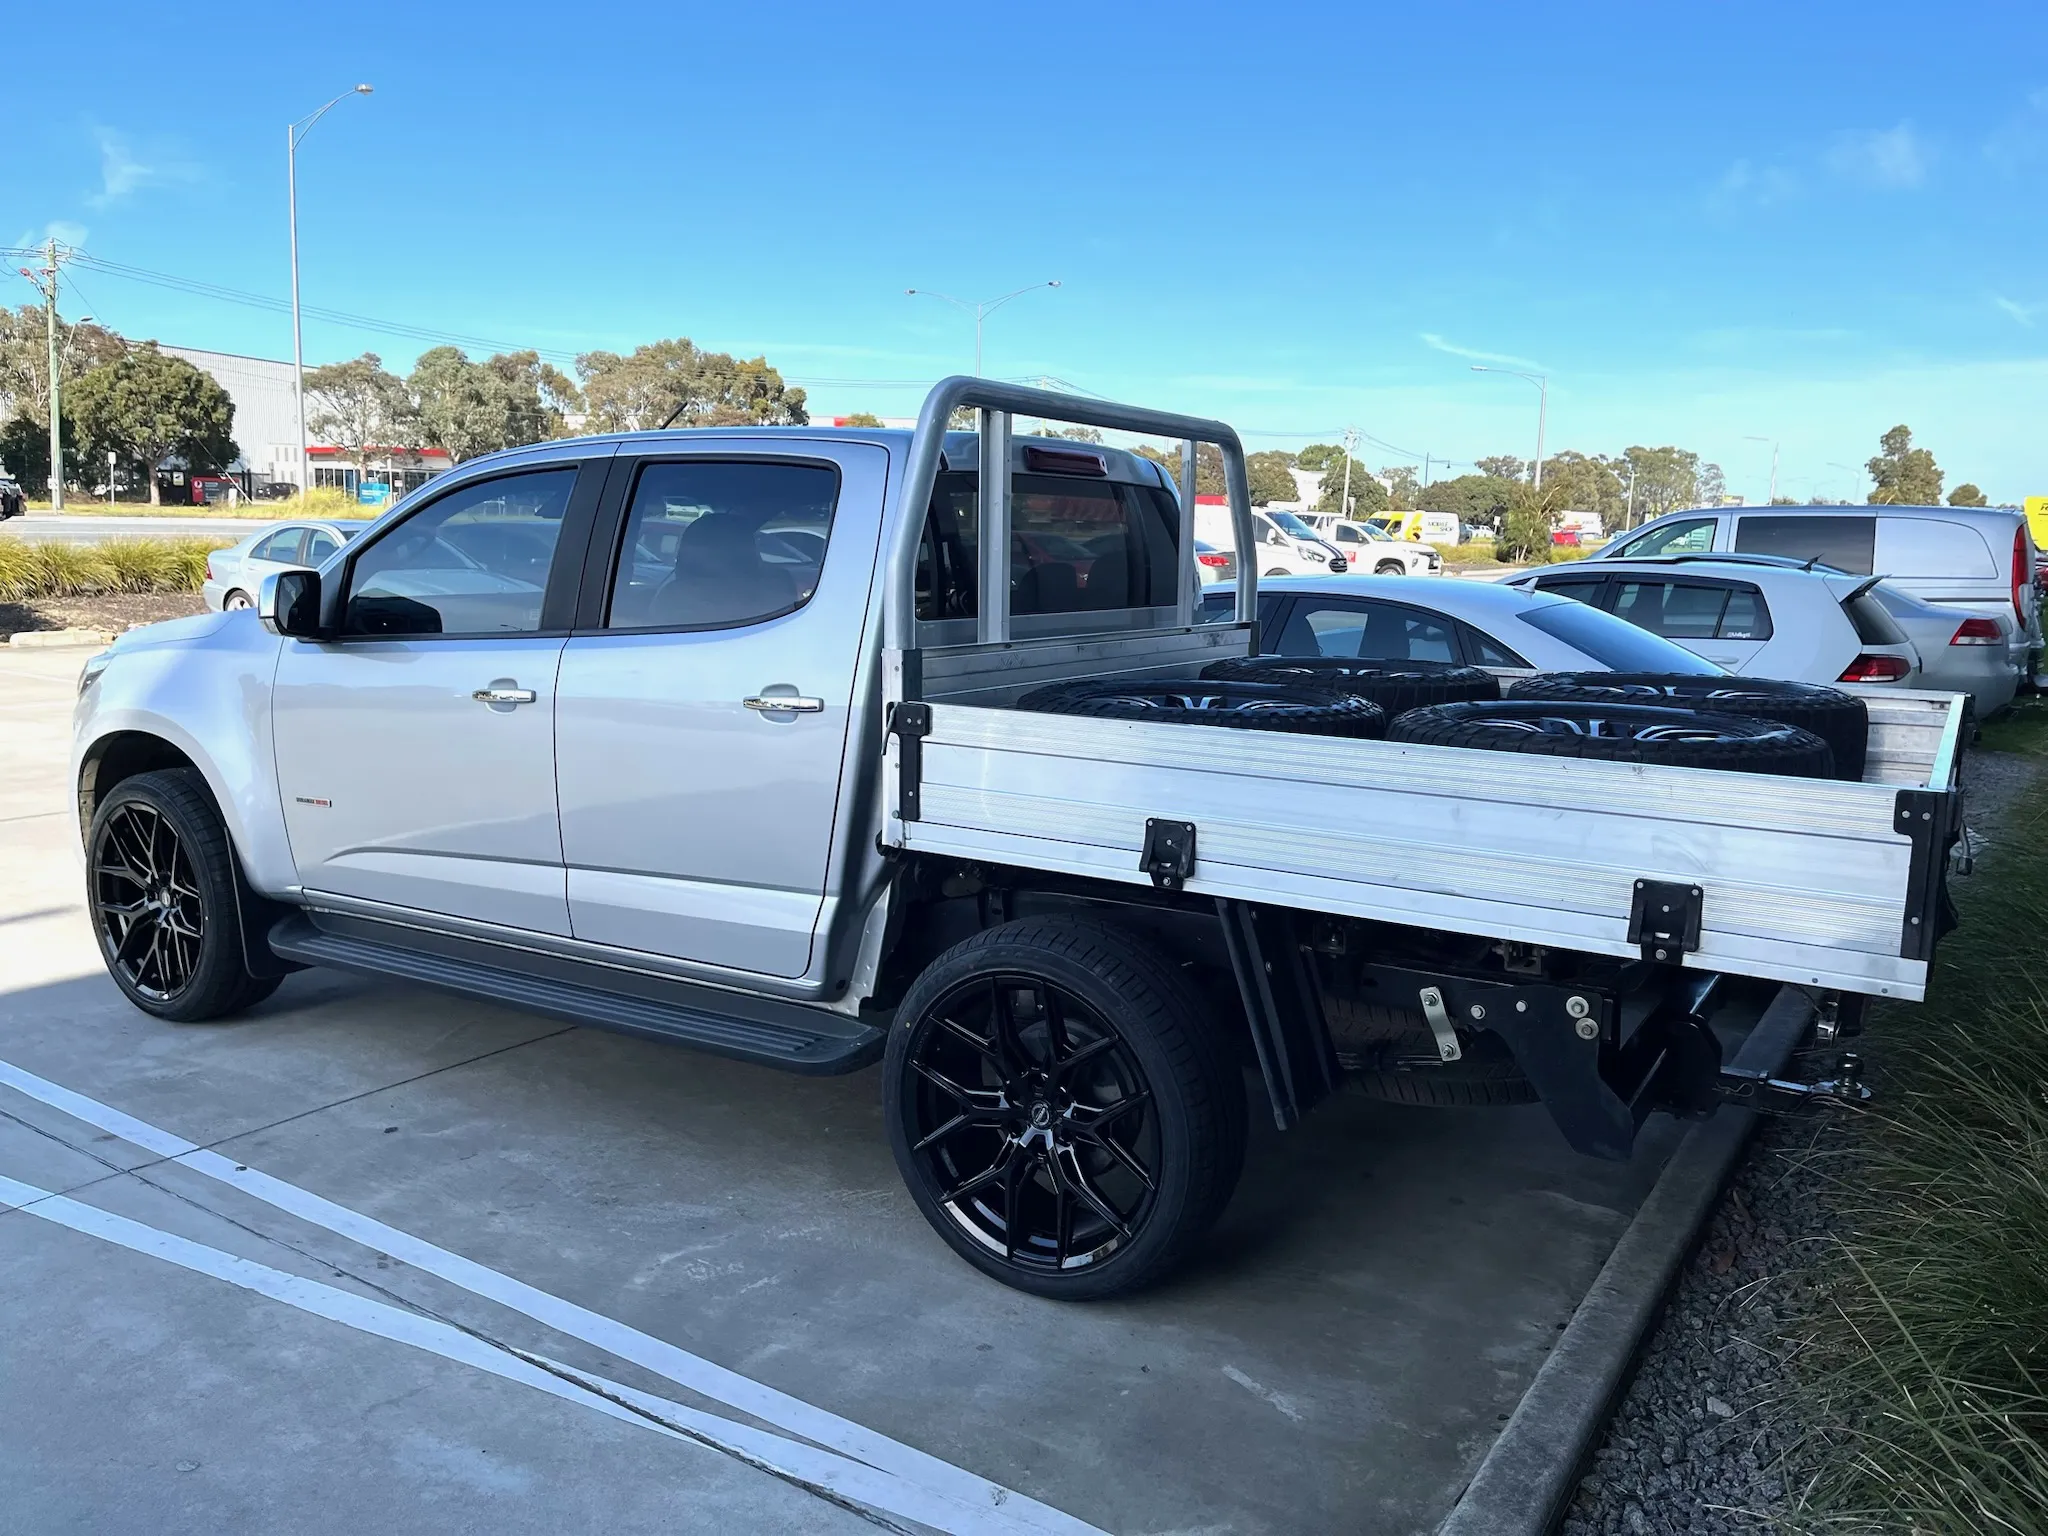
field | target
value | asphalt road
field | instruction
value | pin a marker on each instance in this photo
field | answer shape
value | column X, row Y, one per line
column 198, row 1345
column 90, row 530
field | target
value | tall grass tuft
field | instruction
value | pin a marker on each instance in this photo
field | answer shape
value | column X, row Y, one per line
column 1930, row 1375
column 55, row 568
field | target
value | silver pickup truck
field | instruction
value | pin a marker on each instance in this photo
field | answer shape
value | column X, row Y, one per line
column 715, row 737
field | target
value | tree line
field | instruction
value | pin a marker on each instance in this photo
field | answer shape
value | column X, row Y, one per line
column 149, row 408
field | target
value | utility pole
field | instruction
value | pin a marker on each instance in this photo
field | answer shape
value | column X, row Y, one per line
column 1350, row 441
column 45, row 280
column 293, row 133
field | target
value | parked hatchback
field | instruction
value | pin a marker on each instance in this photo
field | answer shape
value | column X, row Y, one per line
column 1975, row 559
column 234, row 574
column 1806, row 626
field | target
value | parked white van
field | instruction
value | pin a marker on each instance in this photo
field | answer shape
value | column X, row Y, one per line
column 1980, row 560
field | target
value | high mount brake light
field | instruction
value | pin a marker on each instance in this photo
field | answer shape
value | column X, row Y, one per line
column 1978, row 632
column 1875, row 669
column 1064, row 461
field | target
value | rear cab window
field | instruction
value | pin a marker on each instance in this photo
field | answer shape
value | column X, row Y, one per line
column 1846, row 543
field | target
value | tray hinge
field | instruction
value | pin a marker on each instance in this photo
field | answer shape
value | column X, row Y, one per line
column 1169, row 855
column 1928, row 818
column 910, row 722
column 1665, row 920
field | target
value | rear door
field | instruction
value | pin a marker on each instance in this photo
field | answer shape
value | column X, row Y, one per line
column 705, row 698
column 1726, row 622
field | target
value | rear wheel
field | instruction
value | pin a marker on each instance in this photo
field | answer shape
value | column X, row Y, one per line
column 160, row 883
column 1276, row 571
column 1627, row 733
column 237, row 599
column 1062, row 1106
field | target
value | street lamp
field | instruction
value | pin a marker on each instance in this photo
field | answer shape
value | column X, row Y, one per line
column 982, row 310
column 1542, row 383
column 1751, row 437
column 1855, row 476
column 294, row 132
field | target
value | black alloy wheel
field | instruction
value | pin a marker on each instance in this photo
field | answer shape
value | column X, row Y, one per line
column 161, row 885
column 1033, row 1122
column 1064, row 1105
column 146, row 902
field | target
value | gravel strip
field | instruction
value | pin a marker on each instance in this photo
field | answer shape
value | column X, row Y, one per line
column 1707, row 1441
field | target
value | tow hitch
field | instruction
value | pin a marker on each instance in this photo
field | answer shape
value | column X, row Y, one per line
column 1760, row 1090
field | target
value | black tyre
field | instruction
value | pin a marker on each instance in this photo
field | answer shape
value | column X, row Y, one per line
column 1393, row 685
column 1063, row 1107
column 160, row 884
column 1837, row 718
column 1196, row 701
column 1627, row 733
column 1390, row 568
column 236, row 599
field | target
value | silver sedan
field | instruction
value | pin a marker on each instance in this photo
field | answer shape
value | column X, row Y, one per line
column 233, row 574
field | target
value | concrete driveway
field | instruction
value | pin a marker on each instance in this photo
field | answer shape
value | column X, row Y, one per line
column 378, row 1257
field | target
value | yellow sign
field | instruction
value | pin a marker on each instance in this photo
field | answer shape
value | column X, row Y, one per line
column 2037, row 519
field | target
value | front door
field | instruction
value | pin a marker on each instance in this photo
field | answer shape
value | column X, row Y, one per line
column 415, row 751
column 702, row 728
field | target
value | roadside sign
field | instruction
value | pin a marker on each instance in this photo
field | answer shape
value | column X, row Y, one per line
column 2037, row 519
column 373, row 493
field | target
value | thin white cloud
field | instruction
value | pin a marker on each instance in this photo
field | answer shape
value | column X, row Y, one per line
column 125, row 169
column 1893, row 159
column 1431, row 339
column 2024, row 313
column 63, row 231
column 1745, row 182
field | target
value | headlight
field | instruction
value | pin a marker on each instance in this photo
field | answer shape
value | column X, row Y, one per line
column 94, row 666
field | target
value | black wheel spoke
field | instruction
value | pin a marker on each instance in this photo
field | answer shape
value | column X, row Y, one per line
column 1097, row 1117
column 143, row 927
column 1058, row 1046
column 1002, row 1020
column 981, row 1101
column 1013, row 1202
column 1085, row 1054
column 1120, row 1153
column 969, row 1038
column 1077, row 1179
column 996, row 1170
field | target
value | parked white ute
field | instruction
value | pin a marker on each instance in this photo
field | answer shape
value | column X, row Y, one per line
column 1758, row 621
column 1283, row 545
column 822, row 748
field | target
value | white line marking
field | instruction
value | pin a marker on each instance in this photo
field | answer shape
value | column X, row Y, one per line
column 806, row 1465
column 627, row 1343
column 1278, row 1399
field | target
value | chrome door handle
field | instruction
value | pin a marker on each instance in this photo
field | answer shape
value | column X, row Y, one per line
column 504, row 695
column 790, row 705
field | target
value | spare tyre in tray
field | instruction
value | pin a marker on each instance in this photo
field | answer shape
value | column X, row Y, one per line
column 1199, row 701
column 1837, row 718
column 1393, row 685
column 1626, row 733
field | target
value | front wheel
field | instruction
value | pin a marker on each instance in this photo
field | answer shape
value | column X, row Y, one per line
column 1390, row 568
column 236, row 600
column 1063, row 1107
column 160, row 883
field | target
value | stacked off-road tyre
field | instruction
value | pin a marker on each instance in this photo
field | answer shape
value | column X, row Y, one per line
column 1395, row 686
column 1284, row 707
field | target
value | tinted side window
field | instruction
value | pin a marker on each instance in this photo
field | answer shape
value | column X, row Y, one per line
column 1482, row 650
column 1846, row 543
column 1747, row 616
column 1931, row 546
column 1076, row 545
column 319, row 545
column 1694, row 536
column 1367, row 630
column 475, row 562
column 709, row 545
column 282, row 545
column 1677, row 610
column 1582, row 589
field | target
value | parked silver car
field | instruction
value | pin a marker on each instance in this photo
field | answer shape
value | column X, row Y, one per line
column 1805, row 626
column 1977, row 559
column 234, row 574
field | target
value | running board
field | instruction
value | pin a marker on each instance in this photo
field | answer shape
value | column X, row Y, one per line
column 740, row 1025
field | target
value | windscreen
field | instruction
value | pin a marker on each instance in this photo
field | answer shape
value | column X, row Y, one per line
column 1615, row 643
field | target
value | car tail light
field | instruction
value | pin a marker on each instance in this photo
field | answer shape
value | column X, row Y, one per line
column 1218, row 561
column 211, row 573
column 1978, row 632
column 2022, row 551
column 1875, row 669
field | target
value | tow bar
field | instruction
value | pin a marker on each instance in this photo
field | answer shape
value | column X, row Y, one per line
column 1760, row 1090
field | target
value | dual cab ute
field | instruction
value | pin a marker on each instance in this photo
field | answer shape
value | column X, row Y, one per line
column 817, row 747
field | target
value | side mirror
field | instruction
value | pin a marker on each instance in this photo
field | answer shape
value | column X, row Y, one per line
column 288, row 602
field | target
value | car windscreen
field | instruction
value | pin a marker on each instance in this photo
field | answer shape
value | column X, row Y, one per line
column 1293, row 524
column 1615, row 643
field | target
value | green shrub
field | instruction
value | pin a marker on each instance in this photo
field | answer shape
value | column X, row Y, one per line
column 54, row 568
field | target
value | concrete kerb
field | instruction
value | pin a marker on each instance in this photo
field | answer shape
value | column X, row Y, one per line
column 52, row 639
column 1526, row 1480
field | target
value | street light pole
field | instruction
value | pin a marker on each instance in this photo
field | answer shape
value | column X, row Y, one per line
column 982, row 310
column 1542, row 383
column 1751, row 437
column 294, row 132
column 45, row 280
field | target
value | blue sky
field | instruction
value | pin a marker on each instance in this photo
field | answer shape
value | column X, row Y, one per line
column 1803, row 222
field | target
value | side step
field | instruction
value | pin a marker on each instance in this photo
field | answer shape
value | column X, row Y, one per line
column 749, row 1028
